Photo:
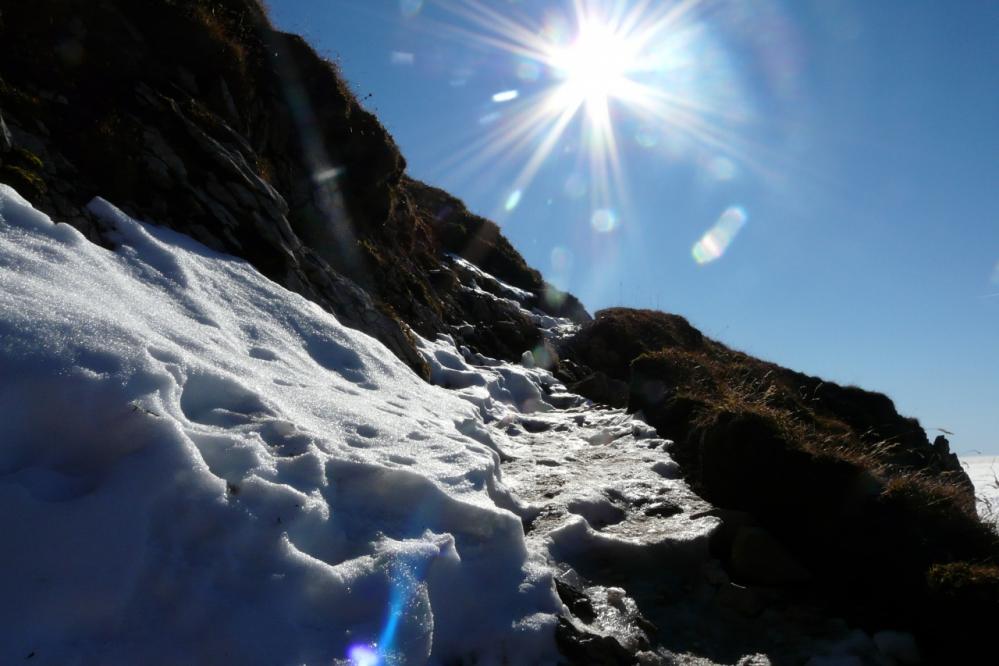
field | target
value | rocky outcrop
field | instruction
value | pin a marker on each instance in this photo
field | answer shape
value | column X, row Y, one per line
column 834, row 494
column 201, row 117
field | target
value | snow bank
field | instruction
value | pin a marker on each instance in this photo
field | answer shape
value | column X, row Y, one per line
column 197, row 465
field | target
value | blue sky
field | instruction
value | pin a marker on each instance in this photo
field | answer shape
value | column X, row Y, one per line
column 815, row 183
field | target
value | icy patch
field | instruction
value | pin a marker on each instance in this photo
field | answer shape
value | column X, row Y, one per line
column 508, row 290
column 198, row 466
column 500, row 391
column 514, row 298
column 592, row 486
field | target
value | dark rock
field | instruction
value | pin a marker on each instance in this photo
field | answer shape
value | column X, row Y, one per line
column 576, row 601
column 584, row 648
column 598, row 387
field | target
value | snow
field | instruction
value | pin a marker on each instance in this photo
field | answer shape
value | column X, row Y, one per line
column 984, row 474
column 515, row 294
column 515, row 298
column 198, row 466
column 592, row 485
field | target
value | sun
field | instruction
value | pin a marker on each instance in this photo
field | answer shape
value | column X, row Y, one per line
column 595, row 66
column 629, row 74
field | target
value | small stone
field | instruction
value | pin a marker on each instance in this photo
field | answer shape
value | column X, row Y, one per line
column 662, row 510
column 667, row 469
column 575, row 600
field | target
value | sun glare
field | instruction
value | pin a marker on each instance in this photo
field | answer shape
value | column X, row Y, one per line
column 595, row 66
column 631, row 75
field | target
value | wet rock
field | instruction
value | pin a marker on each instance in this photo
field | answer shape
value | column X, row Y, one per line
column 584, row 648
column 575, row 600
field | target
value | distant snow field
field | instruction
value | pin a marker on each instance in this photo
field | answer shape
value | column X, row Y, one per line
column 198, row 466
column 984, row 473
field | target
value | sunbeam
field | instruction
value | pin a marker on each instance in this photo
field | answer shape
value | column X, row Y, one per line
column 605, row 65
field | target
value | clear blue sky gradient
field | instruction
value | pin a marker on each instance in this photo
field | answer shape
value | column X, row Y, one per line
column 861, row 139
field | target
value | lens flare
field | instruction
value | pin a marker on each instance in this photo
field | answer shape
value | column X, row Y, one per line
column 718, row 238
column 722, row 169
column 995, row 274
column 505, row 96
column 363, row 655
column 561, row 259
column 604, row 221
column 513, row 200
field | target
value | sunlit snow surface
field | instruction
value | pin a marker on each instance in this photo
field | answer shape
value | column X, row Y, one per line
column 984, row 473
column 198, row 466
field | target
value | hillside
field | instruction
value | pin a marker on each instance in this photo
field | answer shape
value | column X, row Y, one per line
column 311, row 409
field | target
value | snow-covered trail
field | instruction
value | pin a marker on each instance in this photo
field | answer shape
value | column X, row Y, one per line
column 600, row 498
column 199, row 466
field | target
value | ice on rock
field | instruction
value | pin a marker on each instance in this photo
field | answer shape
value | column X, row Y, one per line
column 198, row 466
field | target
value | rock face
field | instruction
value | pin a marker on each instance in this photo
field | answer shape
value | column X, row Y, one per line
column 247, row 140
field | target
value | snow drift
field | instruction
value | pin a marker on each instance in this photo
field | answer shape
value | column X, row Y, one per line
column 198, row 465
